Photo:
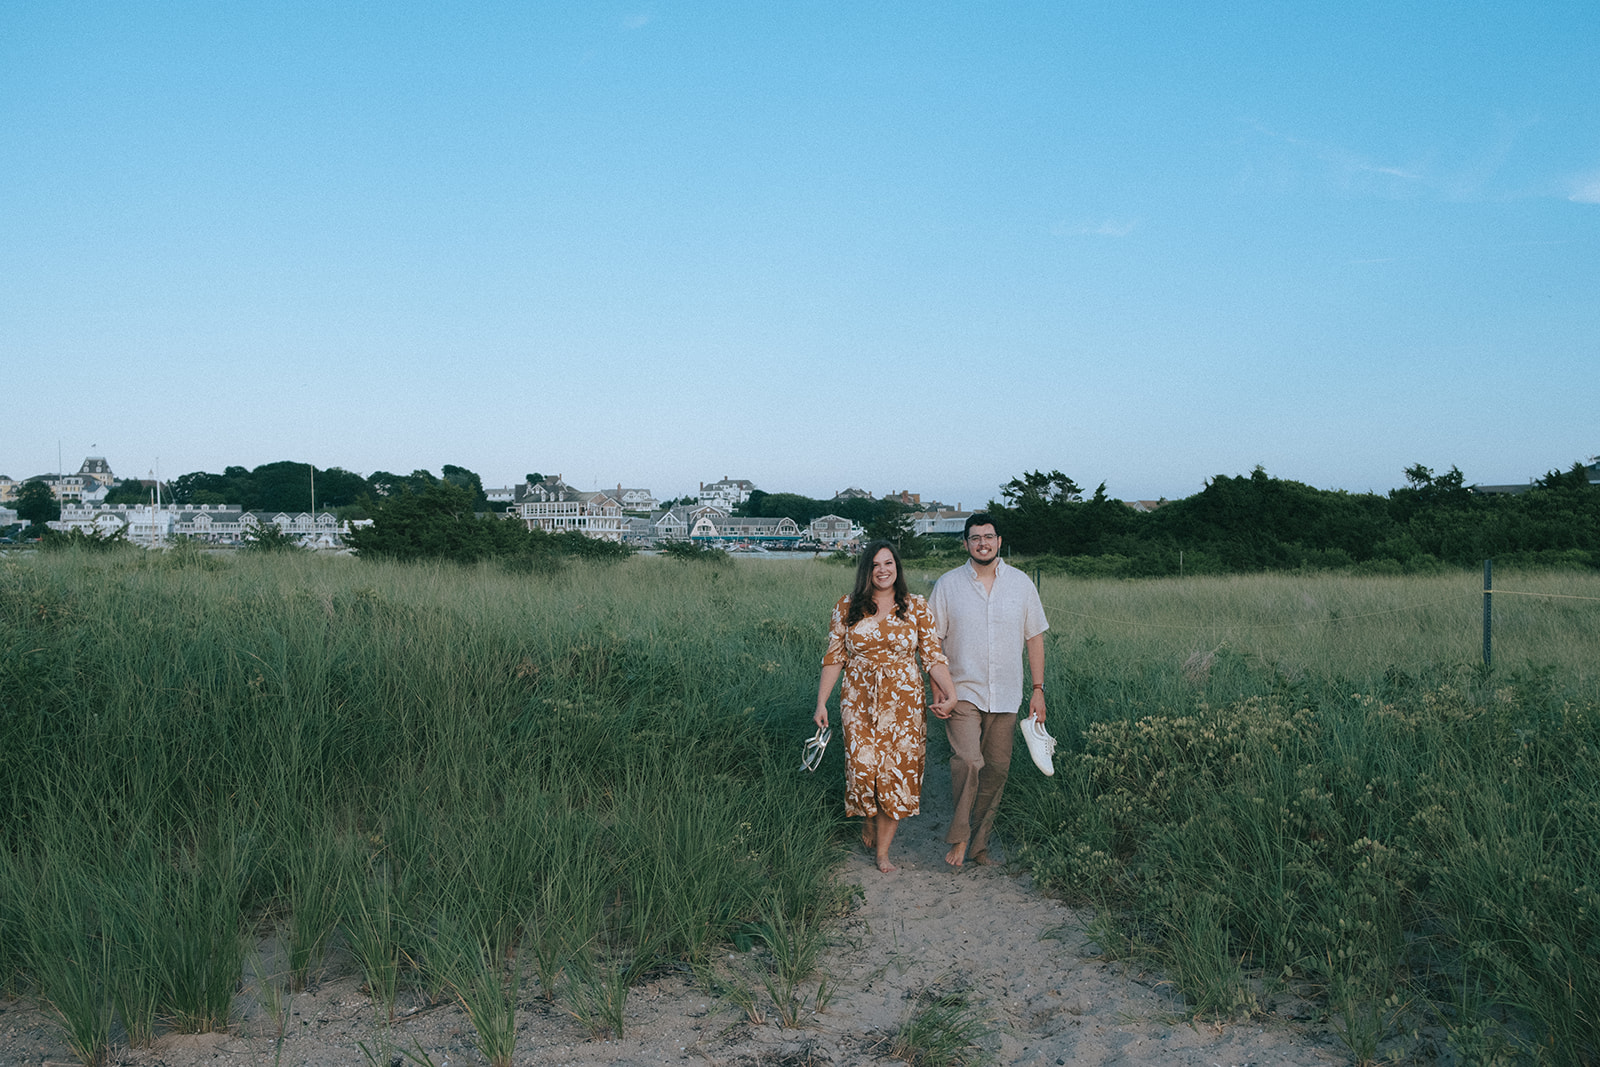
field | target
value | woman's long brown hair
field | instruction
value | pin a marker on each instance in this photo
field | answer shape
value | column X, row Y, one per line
column 861, row 602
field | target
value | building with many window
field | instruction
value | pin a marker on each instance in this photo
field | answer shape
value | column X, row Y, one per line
column 216, row 524
column 727, row 494
column 942, row 521
column 92, row 483
column 727, row 528
column 555, row 507
column 833, row 531
column 636, row 499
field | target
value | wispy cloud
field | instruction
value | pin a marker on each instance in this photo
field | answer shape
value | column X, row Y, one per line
column 1347, row 169
column 1585, row 189
column 639, row 21
column 1492, row 167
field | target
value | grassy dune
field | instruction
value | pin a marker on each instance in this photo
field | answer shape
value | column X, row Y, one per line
column 1312, row 784
column 466, row 783
column 465, row 779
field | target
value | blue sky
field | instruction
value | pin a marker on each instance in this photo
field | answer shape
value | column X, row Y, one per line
column 816, row 245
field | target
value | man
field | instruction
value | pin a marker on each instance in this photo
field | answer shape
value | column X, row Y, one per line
column 987, row 613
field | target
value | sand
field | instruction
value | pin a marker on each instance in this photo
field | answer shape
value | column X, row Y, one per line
column 1043, row 990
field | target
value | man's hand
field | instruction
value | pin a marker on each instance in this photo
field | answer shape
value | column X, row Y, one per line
column 1036, row 705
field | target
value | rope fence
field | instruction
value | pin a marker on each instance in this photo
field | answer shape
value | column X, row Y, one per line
column 1246, row 625
column 1488, row 593
column 1056, row 610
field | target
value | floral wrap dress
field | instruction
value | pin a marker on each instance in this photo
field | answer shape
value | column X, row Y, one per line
column 881, row 705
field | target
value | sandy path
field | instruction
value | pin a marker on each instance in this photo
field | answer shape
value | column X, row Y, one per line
column 1025, row 959
column 1021, row 957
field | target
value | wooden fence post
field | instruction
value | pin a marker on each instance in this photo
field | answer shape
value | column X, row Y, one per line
column 1488, row 612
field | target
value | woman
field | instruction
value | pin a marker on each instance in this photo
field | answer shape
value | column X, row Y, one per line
column 876, row 634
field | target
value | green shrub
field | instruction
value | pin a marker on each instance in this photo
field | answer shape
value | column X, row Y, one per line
column 1324, row 800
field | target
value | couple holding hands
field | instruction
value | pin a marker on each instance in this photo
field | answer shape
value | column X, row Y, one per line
column 971, row 633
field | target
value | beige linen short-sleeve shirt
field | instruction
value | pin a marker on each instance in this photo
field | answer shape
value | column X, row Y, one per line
column 984, row 632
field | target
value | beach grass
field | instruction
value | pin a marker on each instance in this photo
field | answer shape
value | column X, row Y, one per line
column 589, row 770
column 944, row 1028
column 1304, row 783
column 1314, row 783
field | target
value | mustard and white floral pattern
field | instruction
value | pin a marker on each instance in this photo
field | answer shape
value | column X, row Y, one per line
column 881, row 705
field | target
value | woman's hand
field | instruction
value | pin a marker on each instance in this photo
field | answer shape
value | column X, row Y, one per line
column 821, row 717
column 944, row 691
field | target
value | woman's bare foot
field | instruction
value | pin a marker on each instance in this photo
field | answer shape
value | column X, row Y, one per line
column 883, row 827
column 869, row 836
column 957, row 854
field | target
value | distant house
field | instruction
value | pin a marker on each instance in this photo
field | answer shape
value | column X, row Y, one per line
column 713, row 526
column 941, row 521
column 556, row 507
column 91, row 484
column 217, row 524
column 636, row 499
column 675, row 522
column 670, row 525
column 63, row 487
column 96, row 469
column 831, row 530
column 1516, row 489
column 852, row 493
column 504, row 496
column 303, row 525
column 636, row 530
column 1145, row 505
column 147, row 523
column 727, row 493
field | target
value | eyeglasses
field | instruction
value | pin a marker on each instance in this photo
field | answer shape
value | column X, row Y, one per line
column 986, row 539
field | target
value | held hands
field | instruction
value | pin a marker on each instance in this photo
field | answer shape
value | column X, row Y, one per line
column 942, row 705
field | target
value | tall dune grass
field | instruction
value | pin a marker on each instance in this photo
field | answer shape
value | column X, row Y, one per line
column 468, row 782
column 438, row 770
column 1314, row 782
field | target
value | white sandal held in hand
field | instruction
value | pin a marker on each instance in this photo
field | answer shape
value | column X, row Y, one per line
column 811, row 755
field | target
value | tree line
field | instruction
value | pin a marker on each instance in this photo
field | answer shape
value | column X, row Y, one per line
column 289, row 486
column 441, row 521
column 1251, row 522
column 1256, row 522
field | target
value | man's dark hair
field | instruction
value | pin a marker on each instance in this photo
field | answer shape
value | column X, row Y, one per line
column 978, row 518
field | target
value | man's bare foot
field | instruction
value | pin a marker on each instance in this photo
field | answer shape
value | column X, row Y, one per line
column 982, row 859
column 957, row 854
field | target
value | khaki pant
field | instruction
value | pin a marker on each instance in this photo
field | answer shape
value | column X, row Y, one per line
column 980, row 760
